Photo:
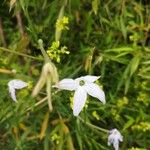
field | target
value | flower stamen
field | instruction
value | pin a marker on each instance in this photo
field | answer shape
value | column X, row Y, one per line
column 82, row 82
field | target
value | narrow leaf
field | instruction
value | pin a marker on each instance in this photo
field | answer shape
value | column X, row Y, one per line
column 44, row 126
column 134, row 64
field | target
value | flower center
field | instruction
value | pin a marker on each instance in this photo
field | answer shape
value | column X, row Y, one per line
column 82, row 83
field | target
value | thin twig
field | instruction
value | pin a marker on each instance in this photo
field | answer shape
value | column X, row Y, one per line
column 93, row 126
column 42, row 101
column 18, row 53
column 38, row 103
column 46, row 57
column 19, row 21
column 2, row 35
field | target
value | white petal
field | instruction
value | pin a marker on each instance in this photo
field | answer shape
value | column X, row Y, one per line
column 12, row 94
column 121, row 138
column 114, row 138
column 67, row 84
column 116, row 145
column 88, row 78
column 109, row 141
column 95, row 91
column 79, row 100
column 17, row 84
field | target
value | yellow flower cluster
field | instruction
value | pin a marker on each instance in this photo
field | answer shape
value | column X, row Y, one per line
column 62, row 24
column 115, row 114
column 96, row 115
column 142, row 126
column 122, row 102
column 55, row 137
column 55, row 51
column 142, row 97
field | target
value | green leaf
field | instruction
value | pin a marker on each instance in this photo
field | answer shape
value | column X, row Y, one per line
column 129, row 123
column 127, row 84
column 123, row 27
column 134, row 64
column 120, row 49
column 124, row 77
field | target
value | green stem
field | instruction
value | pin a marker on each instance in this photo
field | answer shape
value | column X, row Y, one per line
column 18, row 53
column 93, row 126
column 46, row 58
column 38, row 103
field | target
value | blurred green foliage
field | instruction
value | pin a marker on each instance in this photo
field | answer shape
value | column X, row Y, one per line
column 107, row 38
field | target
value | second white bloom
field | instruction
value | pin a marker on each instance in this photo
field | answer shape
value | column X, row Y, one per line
column 114, row 138
column 15, row 84
column 82, row 86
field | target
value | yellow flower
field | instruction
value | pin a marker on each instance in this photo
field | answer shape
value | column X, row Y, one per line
column 61, row 24
column 96, row 115
column 55, row 51
column 65, row 20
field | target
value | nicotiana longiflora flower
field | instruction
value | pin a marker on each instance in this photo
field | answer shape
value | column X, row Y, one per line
column 82, row 86
column 114, row 138
column 15, row 84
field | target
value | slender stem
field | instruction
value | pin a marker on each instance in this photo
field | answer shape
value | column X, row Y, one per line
column 46, row 58
column 93, row 126
column 20, row 24
column 48, row 88
column 42, row 101
column 38, row 103
column 18, row 53
column 2, row 35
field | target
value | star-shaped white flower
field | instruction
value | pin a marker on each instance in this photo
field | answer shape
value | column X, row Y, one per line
column 82, row 86
column 114, row 138
column 13, row 85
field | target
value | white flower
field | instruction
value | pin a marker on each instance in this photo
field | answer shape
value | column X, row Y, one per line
column 82, row 86
column 13, row 85
column 114, row 138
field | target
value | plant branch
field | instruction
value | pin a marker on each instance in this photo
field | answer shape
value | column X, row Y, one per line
column 20, row 24
column 93, row 126
column 2, row 35
column 18, row 53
